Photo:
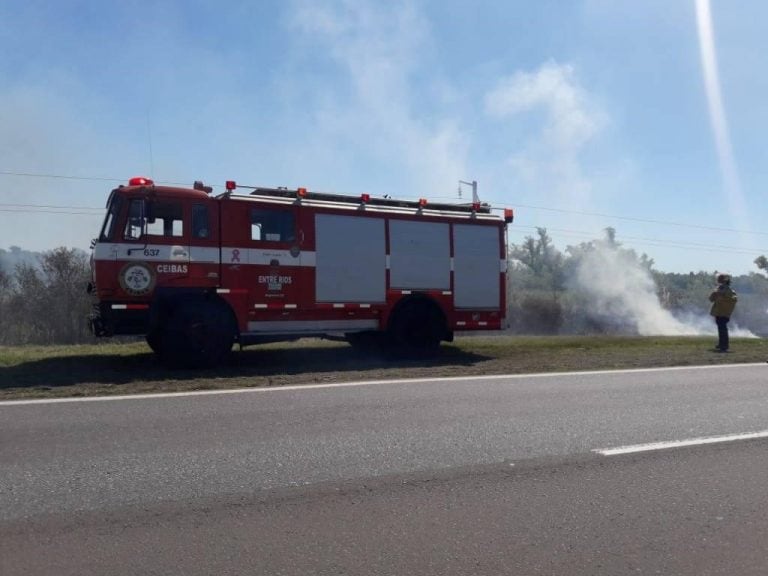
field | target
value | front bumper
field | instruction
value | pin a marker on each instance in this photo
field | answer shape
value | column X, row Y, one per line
column 119, row 318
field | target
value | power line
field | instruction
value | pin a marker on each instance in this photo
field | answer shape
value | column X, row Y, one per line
column 61, row 176
column 32, row 212
column 639, row 240
column 516, row 205
column 642, row 220
column 91, row 178
column 8, row 205
column 72, row 210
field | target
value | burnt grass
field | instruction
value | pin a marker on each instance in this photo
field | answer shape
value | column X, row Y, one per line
column 89, row 370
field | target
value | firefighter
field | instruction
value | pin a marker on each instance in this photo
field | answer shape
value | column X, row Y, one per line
column 723, row 300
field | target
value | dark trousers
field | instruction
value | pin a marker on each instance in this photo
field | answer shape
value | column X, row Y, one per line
column 722, row 332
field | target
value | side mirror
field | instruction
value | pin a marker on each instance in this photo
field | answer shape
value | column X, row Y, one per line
column 135, row 229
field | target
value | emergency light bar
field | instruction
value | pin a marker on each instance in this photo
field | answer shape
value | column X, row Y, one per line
column 140, row 181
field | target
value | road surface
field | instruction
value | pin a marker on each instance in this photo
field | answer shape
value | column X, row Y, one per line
column 492, row 475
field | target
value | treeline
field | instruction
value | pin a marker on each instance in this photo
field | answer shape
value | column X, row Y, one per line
column 596, row 287
column 44, row 301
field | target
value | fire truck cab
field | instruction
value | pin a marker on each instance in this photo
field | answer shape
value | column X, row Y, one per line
column 195, row 273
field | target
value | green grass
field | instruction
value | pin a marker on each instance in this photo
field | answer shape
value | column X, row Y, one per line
column 57, row 371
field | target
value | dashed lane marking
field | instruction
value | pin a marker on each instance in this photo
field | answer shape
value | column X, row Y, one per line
column 680, row 443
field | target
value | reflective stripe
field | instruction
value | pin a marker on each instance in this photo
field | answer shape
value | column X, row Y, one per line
column 201, row 254
column 310, row 326
column 155, row 252
column 130, row 306
column 265, row 257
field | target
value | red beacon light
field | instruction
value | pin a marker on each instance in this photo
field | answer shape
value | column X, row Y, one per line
column 230, row 185
column 365, row 198
column 509, row 215
column 301, row 192
column 422, row 202
column 140, row 181
column 475, row 206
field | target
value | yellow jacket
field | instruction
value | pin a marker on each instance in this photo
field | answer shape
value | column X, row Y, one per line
column 723, row 300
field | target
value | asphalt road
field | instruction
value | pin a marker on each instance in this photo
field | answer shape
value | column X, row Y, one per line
column 468, row 476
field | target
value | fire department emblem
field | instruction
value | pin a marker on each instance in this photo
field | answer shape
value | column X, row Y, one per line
column 137, row 279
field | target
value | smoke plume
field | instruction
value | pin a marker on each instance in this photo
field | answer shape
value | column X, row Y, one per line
column 620, row 293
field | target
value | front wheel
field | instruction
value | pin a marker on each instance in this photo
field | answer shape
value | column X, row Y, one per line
column 197, row 334
column 154, row 341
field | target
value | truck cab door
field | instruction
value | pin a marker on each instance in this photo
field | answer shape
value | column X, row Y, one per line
column 204, row 256
column 155, row 239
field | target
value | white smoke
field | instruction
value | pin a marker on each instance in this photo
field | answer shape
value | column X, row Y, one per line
column 620, row 289
column 572, row 119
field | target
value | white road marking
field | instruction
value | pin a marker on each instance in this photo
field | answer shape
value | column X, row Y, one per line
column 369, row 383
column 680, row 443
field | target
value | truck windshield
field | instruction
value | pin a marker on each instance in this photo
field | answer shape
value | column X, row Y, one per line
column 113, row 210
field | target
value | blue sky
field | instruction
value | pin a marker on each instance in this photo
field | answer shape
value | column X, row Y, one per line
column 580, row 115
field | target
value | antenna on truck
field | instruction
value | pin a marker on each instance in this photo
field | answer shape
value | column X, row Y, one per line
column 475, row 197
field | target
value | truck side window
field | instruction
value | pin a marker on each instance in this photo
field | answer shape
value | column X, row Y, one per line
column 168, row 220
column 200, row 225
column 272, row 225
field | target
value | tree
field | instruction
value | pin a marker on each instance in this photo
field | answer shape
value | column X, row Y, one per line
column 66, row 274
column 536, row 284
column 26, row 317
column 46, row 303
column 5, row 295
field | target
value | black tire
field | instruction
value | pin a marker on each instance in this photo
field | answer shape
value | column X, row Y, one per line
column 155, row 342
column 197, row 333
column 416, row 328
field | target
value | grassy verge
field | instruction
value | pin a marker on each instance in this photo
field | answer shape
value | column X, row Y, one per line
column 40, row 372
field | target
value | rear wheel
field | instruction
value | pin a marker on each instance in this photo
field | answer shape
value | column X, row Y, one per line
column 417, row 328
column 197, row 333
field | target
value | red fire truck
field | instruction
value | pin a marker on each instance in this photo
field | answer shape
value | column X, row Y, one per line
column 195, row 273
